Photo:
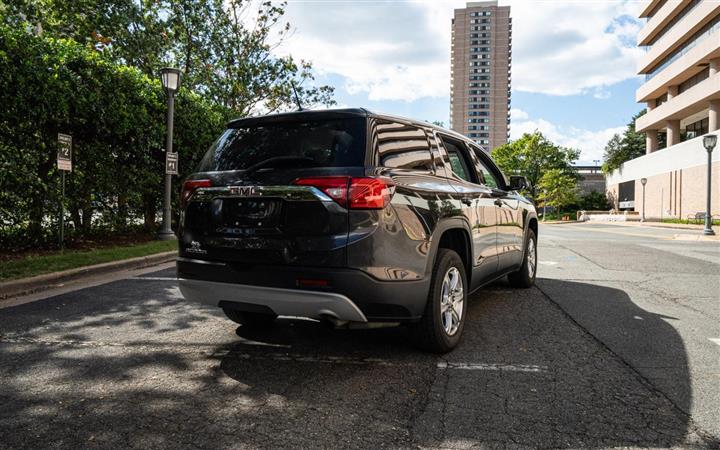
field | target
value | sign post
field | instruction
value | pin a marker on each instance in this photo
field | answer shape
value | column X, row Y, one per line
column 64, row 164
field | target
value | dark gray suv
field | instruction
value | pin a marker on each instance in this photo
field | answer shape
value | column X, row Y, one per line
column 351, row 217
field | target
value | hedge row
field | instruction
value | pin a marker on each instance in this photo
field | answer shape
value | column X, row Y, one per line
column 116, row 116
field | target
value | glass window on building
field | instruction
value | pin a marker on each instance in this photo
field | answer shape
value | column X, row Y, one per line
column 695, row 129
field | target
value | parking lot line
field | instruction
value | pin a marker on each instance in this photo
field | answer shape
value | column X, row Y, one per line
column 492, row 367
column 154, row 278
column 714, row 340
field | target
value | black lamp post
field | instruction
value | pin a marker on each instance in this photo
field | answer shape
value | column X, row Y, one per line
column 171, row 83
column 643, row 181
column 709, row 142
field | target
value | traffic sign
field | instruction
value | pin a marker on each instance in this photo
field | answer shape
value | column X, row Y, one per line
column 171, row 163
column 64, row 154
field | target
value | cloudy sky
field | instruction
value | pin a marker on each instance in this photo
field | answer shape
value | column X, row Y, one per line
column 573, row 74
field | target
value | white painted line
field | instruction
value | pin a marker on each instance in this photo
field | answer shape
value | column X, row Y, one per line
column 638, row 318
column 492, row 367
column 154, row 278
column 547, row 263
column 714, row 340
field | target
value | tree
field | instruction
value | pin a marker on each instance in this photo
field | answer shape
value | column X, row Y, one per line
column 532, row 156
column 558, row 188
column 115, row 116
column 623, row 148
column 225, row 48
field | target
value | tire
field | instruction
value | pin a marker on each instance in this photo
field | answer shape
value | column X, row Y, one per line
column 525, row 276
column 250, row 320
column 439, row 331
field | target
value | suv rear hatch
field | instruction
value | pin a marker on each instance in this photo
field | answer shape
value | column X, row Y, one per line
column 276, row 190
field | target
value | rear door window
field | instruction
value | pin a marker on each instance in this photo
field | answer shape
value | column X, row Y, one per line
column 460, row 162
column 321, row 143
column 402, row 146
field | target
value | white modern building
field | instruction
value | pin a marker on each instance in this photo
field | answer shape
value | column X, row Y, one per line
column 681, row 68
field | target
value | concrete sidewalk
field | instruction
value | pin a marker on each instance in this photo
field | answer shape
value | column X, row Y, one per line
column 24, row 286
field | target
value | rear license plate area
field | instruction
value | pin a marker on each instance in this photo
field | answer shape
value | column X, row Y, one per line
column 251, row 213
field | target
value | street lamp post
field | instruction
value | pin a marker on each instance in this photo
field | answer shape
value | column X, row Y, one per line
column 709, row 142
column 171, row 83
column 643, row 181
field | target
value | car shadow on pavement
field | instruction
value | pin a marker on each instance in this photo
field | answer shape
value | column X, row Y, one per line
column 142, row 368
column 526, row 374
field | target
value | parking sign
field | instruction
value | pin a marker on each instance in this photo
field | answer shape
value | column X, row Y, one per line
column 64, row 154
column 171, row 163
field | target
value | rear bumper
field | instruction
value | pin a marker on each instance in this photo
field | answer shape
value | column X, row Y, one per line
column 283, row 302
column 277, row 288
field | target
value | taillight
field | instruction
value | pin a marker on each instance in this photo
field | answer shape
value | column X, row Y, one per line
column 354, row 193
column 189, row 188
column 370, row 193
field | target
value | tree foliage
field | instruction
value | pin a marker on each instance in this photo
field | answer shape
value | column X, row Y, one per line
column 115, row 115
column 623, row 148
column 593, row 201
column 90, row 68
column 558, row 188
column 532, row 156
column 225, row 48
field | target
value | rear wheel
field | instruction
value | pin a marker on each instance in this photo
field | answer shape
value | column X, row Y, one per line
column 250, row 320
column 525, row 276
column 442, row 324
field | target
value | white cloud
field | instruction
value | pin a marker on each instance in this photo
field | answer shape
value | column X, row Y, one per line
column 590, row 143
column 564, row 48
column 518, row 114
column 401, row 50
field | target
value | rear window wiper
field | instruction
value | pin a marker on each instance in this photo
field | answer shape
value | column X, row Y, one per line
column 280, row 161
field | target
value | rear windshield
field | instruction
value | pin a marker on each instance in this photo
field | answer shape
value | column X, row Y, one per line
column 327, row 143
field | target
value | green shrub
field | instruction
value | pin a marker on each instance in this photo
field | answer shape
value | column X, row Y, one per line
column 116, row 116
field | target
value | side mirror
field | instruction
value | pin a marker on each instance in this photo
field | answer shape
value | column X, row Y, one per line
column 518, row 183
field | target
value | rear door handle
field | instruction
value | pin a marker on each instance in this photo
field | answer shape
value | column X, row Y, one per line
column 498, row 202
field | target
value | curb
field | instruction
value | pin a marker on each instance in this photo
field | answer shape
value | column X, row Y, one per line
column 37, row 283
column 558, row 222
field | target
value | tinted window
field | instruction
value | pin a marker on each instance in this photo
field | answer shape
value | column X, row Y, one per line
column 458, row 165
column 458, row 160
column 403, row 147
column 327, row 143
column 488, row 177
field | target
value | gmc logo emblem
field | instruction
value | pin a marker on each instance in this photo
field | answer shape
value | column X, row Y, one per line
column 243, row 191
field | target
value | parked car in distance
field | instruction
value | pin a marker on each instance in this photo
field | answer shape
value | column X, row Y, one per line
column 351, row 217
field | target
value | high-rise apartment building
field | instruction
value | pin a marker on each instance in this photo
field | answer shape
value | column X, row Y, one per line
column 481, row 56
column 681, row 92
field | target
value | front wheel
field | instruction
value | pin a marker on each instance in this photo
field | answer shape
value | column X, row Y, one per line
column 525, row 276
column 442, row 324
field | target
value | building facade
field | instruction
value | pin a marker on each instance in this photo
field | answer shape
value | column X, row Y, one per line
column 481, row 56
column 681, row 91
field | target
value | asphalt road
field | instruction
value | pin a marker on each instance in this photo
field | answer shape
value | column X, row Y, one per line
column 612, row 349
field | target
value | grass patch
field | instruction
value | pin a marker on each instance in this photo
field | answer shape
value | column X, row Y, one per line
column 39, row 264
column 689, row 222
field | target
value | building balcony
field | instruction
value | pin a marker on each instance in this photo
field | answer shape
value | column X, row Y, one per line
column 662, row 17
column 686, row 27
column 690, row 102
column 681, row 69
column 649, row 6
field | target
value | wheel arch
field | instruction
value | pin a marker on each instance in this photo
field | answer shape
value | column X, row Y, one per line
column 453, row 235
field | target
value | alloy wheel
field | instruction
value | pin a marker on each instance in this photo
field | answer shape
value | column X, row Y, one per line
column 452, row 304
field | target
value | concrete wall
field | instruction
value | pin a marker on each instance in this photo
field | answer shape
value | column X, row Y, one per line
column 678, row 194
column 676, row 180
